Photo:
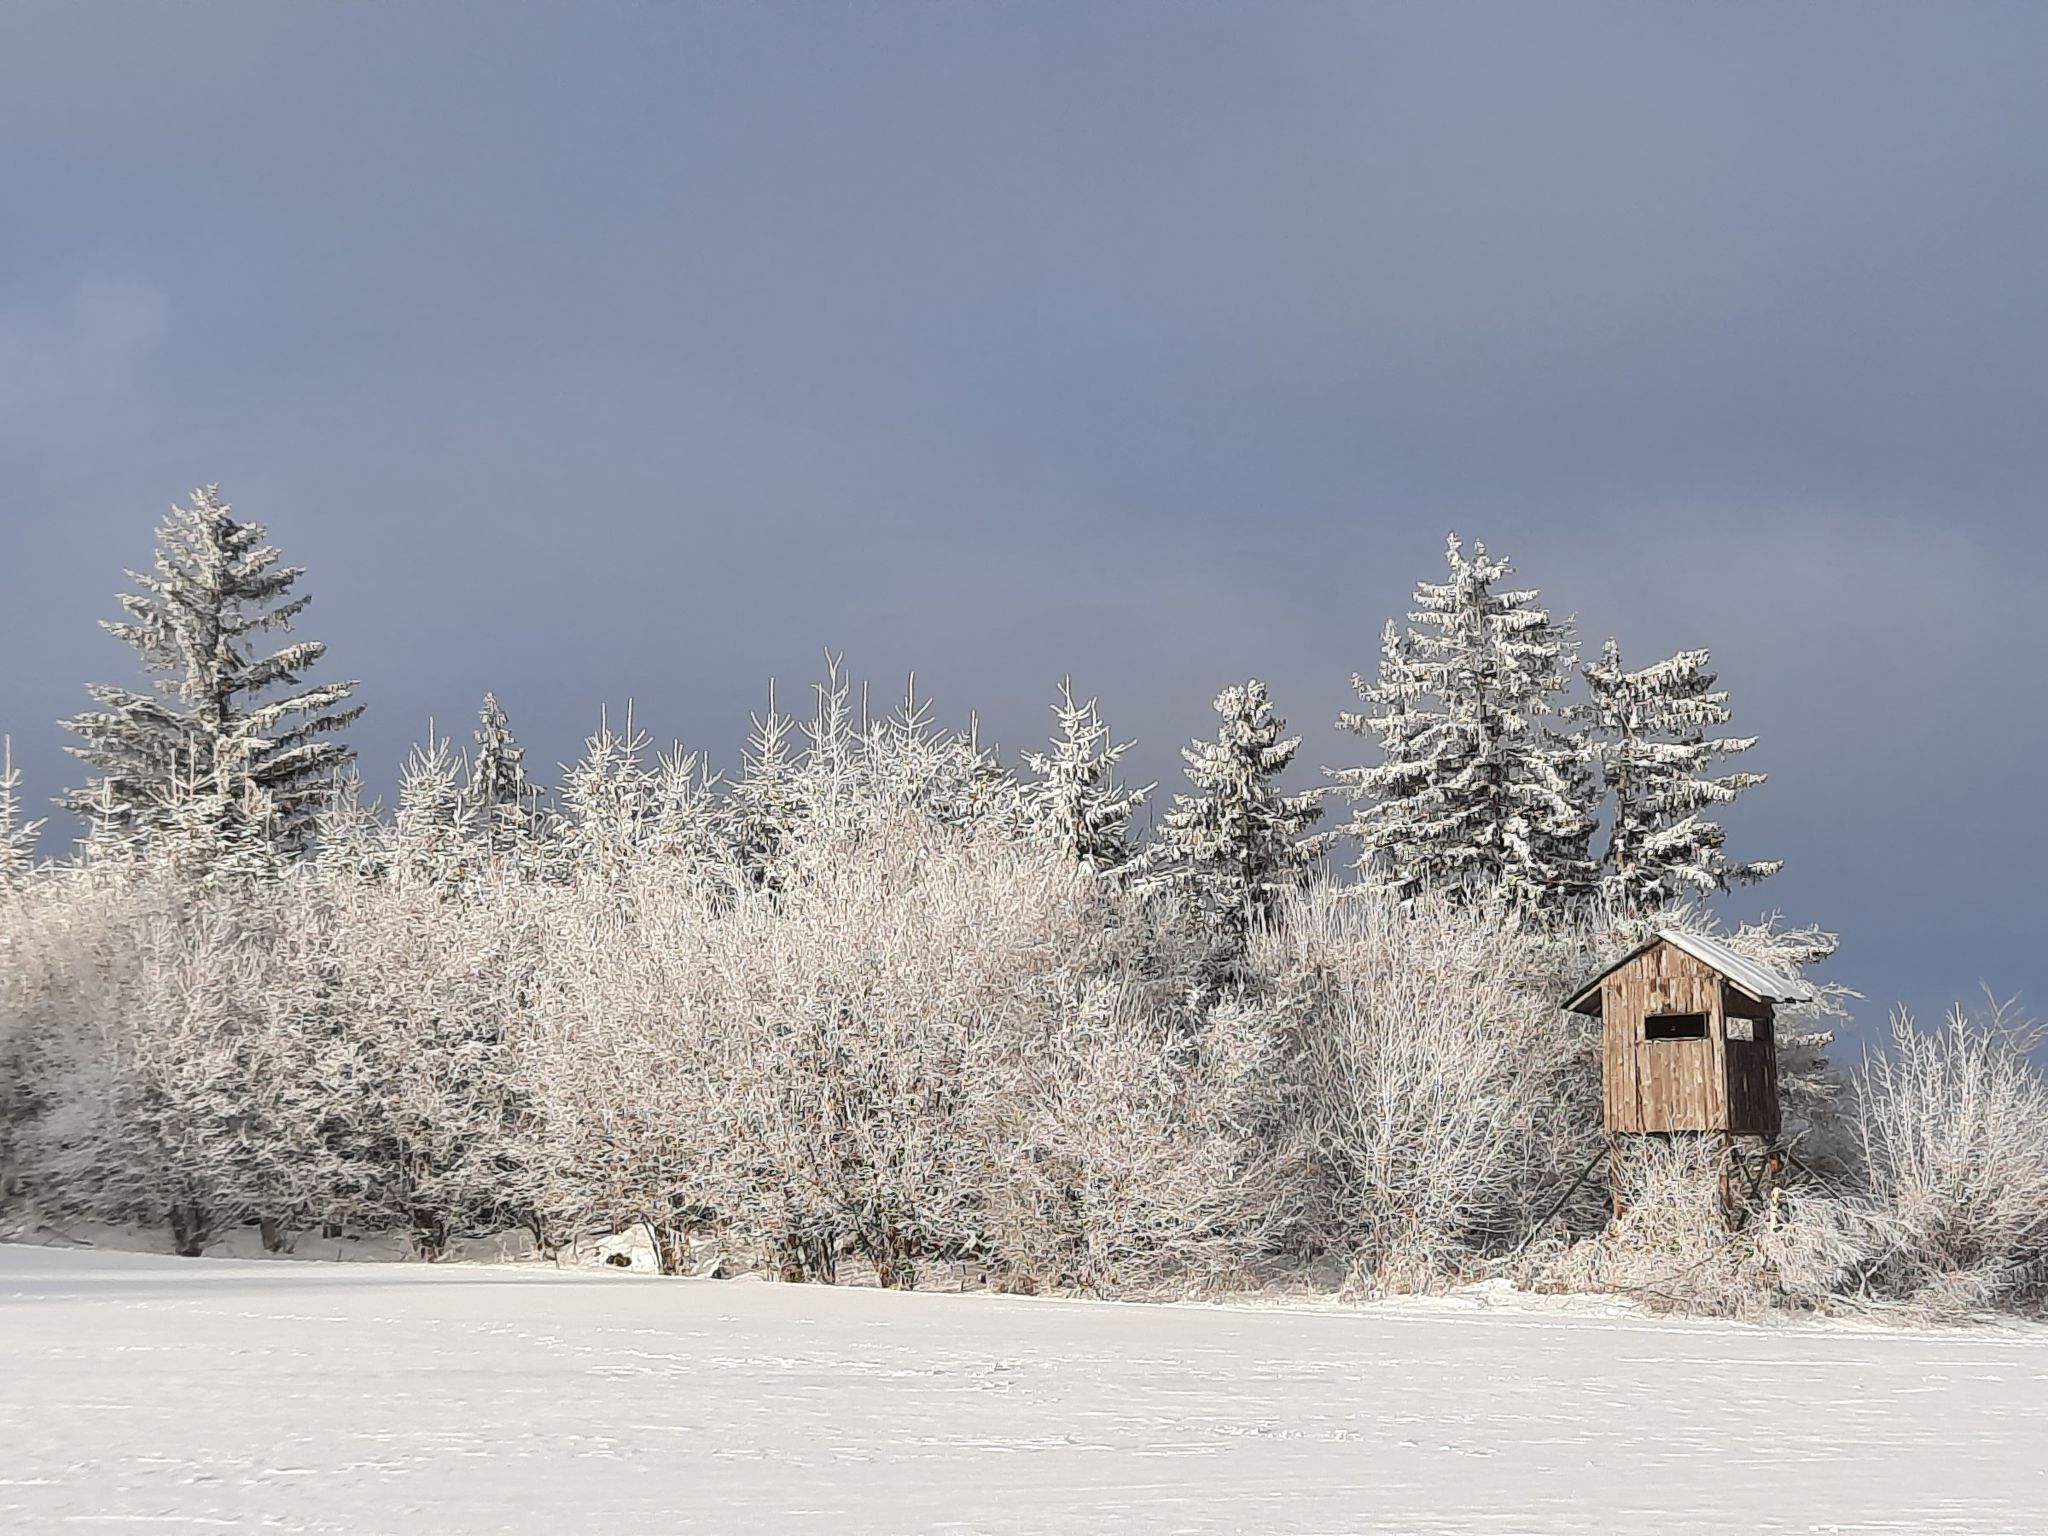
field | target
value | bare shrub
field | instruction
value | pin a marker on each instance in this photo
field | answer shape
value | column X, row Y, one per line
column 144, row 1082
column 409, row 1013
column 924, row 1042
column 67, row 955
column 1676, row 1248
column 1954, row 1127
column 1437, row 1098
column 1136, row 1156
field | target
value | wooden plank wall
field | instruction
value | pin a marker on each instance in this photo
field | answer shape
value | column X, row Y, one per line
column 1753, row 1078
column 1663, row 1085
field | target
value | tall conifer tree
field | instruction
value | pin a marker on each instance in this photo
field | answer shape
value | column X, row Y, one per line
column 1078, row 801
column 1234, row 845
column 18, row 836
column 1473, row 791
column 230, row 723
column 1647, row 733
column 767, row 805
column 497, row 791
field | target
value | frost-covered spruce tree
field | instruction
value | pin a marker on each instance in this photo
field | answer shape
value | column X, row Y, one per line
column 1077, row 799
column 435, row 832
column 350, row 839
column 17, row 836
column 497, row 791
column 215, row 830
column 765, row 808
column 1647, row 733
column 610, row 800
column 831, row 768
column 227, row 714
column 683, row 830
column 910, row 765
column 1234, row 846
column 1473, row 791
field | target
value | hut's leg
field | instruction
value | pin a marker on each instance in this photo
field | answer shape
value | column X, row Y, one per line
column 1614, row 1176
column 1758, row 1183
column 1727, row 1183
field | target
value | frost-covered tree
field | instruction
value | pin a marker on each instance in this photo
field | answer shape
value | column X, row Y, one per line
column 216, row 829
column 436, row 827
column 683, row 830
column 766, row 806
column 228, row 715
column 497, row 790
column 609, row 797
column 1647, row 733
column 17, row 835
column 1235, row 845
column 351, row 838
column 830, row 768
column 1473, row 790
column 910, row 765
column 1077, row 800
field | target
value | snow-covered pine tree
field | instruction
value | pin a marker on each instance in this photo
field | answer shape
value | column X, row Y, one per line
column 610, row 800
column 17, row 836
column 497, row 790
column 350, row 837
column 1234, row 845
column 1473, row 791
column 225, row 714
column 766, row 805
column 1077, row 800
column 217, row 830
column 910, row 766
column 1647, row 733
column 683, row 831
column 830, row 769
column 436, row 826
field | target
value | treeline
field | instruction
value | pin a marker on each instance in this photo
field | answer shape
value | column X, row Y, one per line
column 881, row 997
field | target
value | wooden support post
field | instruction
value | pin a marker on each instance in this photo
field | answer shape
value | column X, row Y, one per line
column 1765, row 1178
column 1727, row 1184
column 1570, row 1190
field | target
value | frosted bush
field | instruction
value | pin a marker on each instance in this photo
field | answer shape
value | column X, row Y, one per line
column 875, row 1003
column 1675, row 1247
column 1954, row 1131
column 1437, row 1098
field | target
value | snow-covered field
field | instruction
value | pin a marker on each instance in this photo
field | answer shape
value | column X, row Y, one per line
column 144, row 1392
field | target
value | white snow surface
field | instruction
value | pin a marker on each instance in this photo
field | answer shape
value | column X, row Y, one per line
column 151, row 1393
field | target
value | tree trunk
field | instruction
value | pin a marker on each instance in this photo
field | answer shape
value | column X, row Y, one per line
column 188, row 1230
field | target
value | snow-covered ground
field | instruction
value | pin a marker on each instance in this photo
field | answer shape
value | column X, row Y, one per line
column 145, row 1392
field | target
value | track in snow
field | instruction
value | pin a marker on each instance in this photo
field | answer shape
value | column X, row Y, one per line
column 201, row 1395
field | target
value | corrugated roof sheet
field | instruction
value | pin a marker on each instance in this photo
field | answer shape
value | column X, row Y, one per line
column 1757, row 980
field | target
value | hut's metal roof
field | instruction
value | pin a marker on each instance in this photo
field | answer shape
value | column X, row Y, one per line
column 1750, row 977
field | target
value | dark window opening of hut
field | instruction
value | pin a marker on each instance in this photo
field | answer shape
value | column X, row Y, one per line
column 1675, row 1026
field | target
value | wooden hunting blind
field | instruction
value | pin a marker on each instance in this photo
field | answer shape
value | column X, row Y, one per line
column 1688, row 1038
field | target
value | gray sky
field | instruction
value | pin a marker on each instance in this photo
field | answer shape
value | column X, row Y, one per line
column 605, row 352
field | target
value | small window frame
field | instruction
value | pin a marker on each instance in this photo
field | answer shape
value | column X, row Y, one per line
column 1676, row 1026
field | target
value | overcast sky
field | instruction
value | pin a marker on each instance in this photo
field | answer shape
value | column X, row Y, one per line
column 608, row 352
